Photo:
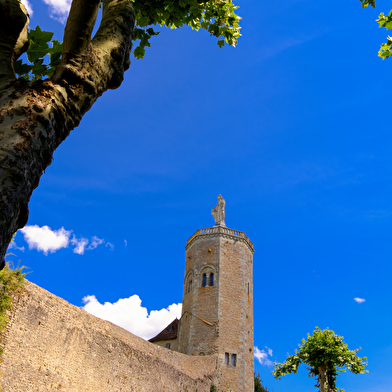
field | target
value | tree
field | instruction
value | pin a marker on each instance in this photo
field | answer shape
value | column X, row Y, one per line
column 37, row 115
column 383, row 21
column 259, row 387
column 327, row 355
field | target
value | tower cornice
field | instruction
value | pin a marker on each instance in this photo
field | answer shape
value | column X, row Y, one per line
column 220, row 231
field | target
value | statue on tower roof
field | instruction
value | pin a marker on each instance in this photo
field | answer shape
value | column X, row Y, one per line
column 219, row 212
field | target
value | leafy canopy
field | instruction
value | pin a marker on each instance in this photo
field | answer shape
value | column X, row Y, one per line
column 218, row 17
column 323, row 349
column 383, row 21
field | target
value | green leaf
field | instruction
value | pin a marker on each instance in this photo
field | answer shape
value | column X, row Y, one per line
column 21, row 69
column 385, row 51
column 56, row 47
column 366, row 3
column 143, row 21
column 37, row 51
column 55, row 54
column 37, row 35
column 139, row 52
column 39, row 69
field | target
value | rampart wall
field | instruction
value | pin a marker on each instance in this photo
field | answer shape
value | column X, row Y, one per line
column 52, row 345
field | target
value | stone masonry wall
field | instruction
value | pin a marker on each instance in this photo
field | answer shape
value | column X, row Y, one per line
column 52, row 345
column 198, row 337
column 236, row 316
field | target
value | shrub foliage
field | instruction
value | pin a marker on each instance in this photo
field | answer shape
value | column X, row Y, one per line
column 11, row 284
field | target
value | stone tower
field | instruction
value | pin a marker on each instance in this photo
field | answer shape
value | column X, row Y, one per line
column 217, row 306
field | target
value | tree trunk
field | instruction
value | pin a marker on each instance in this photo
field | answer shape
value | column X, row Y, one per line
column 323, row 379
column 35, row 117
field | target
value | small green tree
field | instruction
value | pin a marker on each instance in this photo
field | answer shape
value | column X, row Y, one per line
column 259, row 387
column 327, row 355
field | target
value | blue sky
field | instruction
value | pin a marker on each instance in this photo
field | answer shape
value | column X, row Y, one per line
column 291, row 127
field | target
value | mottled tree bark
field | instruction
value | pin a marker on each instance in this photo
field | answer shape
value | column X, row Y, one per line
column 35, row 117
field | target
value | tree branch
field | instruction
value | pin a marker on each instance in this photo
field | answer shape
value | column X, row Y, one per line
column 14, row 21
column 102, row 62
column 113, row 40
column 80, row 24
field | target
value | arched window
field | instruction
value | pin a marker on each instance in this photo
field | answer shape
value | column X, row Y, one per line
column 211, row 279
column 189, row 285
column 204, row 284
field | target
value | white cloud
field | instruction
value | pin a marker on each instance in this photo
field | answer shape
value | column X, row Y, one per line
column 28, row 6
column 80, row 245
column 262, row 356
column 59, row 9
column 359, row 300
column 13, row 245
column 130, row 315
column 45, row 239
column 110, row 245
column 95, row 241
column 125, row 242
